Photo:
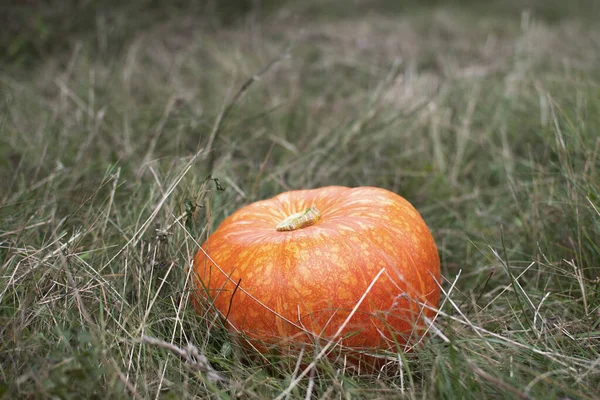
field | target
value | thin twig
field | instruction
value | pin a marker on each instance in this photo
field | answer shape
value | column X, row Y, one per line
column 218, row 126
column 190, row 355
column 231, row 298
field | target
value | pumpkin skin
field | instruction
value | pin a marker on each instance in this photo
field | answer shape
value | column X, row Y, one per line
column 301, row 285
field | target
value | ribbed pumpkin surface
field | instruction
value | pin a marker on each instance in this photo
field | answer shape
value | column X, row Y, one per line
column 296, row 284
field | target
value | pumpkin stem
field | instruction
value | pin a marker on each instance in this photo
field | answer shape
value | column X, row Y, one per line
column 300, row 220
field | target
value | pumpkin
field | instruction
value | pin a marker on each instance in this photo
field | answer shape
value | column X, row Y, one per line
column 354, row 265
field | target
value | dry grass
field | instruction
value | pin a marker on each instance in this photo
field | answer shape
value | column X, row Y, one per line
column 486, row 123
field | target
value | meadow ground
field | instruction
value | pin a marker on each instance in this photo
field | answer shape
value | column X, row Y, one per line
column 128, row 133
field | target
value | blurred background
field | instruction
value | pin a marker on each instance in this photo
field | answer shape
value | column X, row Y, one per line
column 33, row 29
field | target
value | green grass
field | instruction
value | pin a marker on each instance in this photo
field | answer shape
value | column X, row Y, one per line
column 486, row 119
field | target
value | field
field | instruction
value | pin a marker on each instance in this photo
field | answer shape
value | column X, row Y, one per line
column 129, row 132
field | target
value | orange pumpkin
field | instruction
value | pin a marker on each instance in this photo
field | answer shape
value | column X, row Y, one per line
column 354, row 265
